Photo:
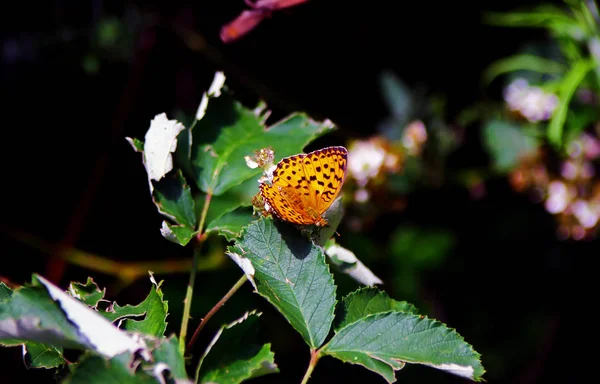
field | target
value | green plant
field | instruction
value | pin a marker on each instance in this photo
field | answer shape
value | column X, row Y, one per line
column 571, row 63
column 201, row 183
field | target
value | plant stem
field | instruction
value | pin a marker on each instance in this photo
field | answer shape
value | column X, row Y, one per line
column 187, row 302
column 314, row 358
column 216, row 308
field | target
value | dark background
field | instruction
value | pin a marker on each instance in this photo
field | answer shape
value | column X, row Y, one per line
column 70, row 178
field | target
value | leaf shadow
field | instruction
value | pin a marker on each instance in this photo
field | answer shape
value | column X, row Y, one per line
column 169, row 186
column 299, row 245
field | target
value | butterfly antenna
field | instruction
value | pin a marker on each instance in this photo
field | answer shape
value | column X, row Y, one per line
column 330, row 227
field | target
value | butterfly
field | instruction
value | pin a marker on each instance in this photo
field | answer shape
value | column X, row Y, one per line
column 304, row 186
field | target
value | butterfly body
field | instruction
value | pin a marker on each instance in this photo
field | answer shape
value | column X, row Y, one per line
column 304, row 186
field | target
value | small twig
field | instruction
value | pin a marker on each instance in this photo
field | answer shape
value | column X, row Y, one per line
column 215, row 309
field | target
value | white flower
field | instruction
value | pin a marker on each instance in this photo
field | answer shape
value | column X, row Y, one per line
column 532, row 102
column 361, row 195
column 414, row 136
column 558, row 197
column 365, row 161
column 584, row 212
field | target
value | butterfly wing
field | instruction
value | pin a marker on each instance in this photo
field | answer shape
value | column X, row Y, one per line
column 289, row 191
column 325, row 170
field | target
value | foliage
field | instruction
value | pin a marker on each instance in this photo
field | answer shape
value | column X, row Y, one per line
column 552, row 111
column 201, row 181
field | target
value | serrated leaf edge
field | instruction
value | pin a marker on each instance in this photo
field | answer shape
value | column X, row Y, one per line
column 453, row 368
column 335, row 302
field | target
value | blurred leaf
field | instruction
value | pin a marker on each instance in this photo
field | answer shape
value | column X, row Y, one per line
column 370, row 301
column 507, row 144
column 234, row 355
column 399, row 100
column 544, row 16
column 168, row 353
column 578, row 121
column 97, row 370
column 90, row 64
column 173, row 198
column 221, row 165
column 291, row 274
column 230, row 224
column 154, row 310
column 421, row 247
column 384, row 342
column 568, row 87
column 522, row 62
column 39, row 355
column 89, row 292
column 109, row 30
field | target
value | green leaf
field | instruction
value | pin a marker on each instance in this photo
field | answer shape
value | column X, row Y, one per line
column 5, row 293
column 508, row 144
column 153, row 309
column 47, row 315
column 178, row 234
column 43, row 356
column 173, row 198
column 397, row 96
column 237, row 196
column 521, row 62
column 567, row 89
column 168, row 353
column 370, row 301
column 234, row 356
column 220, row 165
column 31, row 315
column 98, row 370
column 291, row 274
column 384, row 342
column 231, row 224
column 89, row 293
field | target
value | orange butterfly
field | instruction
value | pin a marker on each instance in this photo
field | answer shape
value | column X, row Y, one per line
column 304, row 186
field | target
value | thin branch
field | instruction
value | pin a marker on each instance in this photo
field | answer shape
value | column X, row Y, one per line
column 215, row 309
column 187, row 302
